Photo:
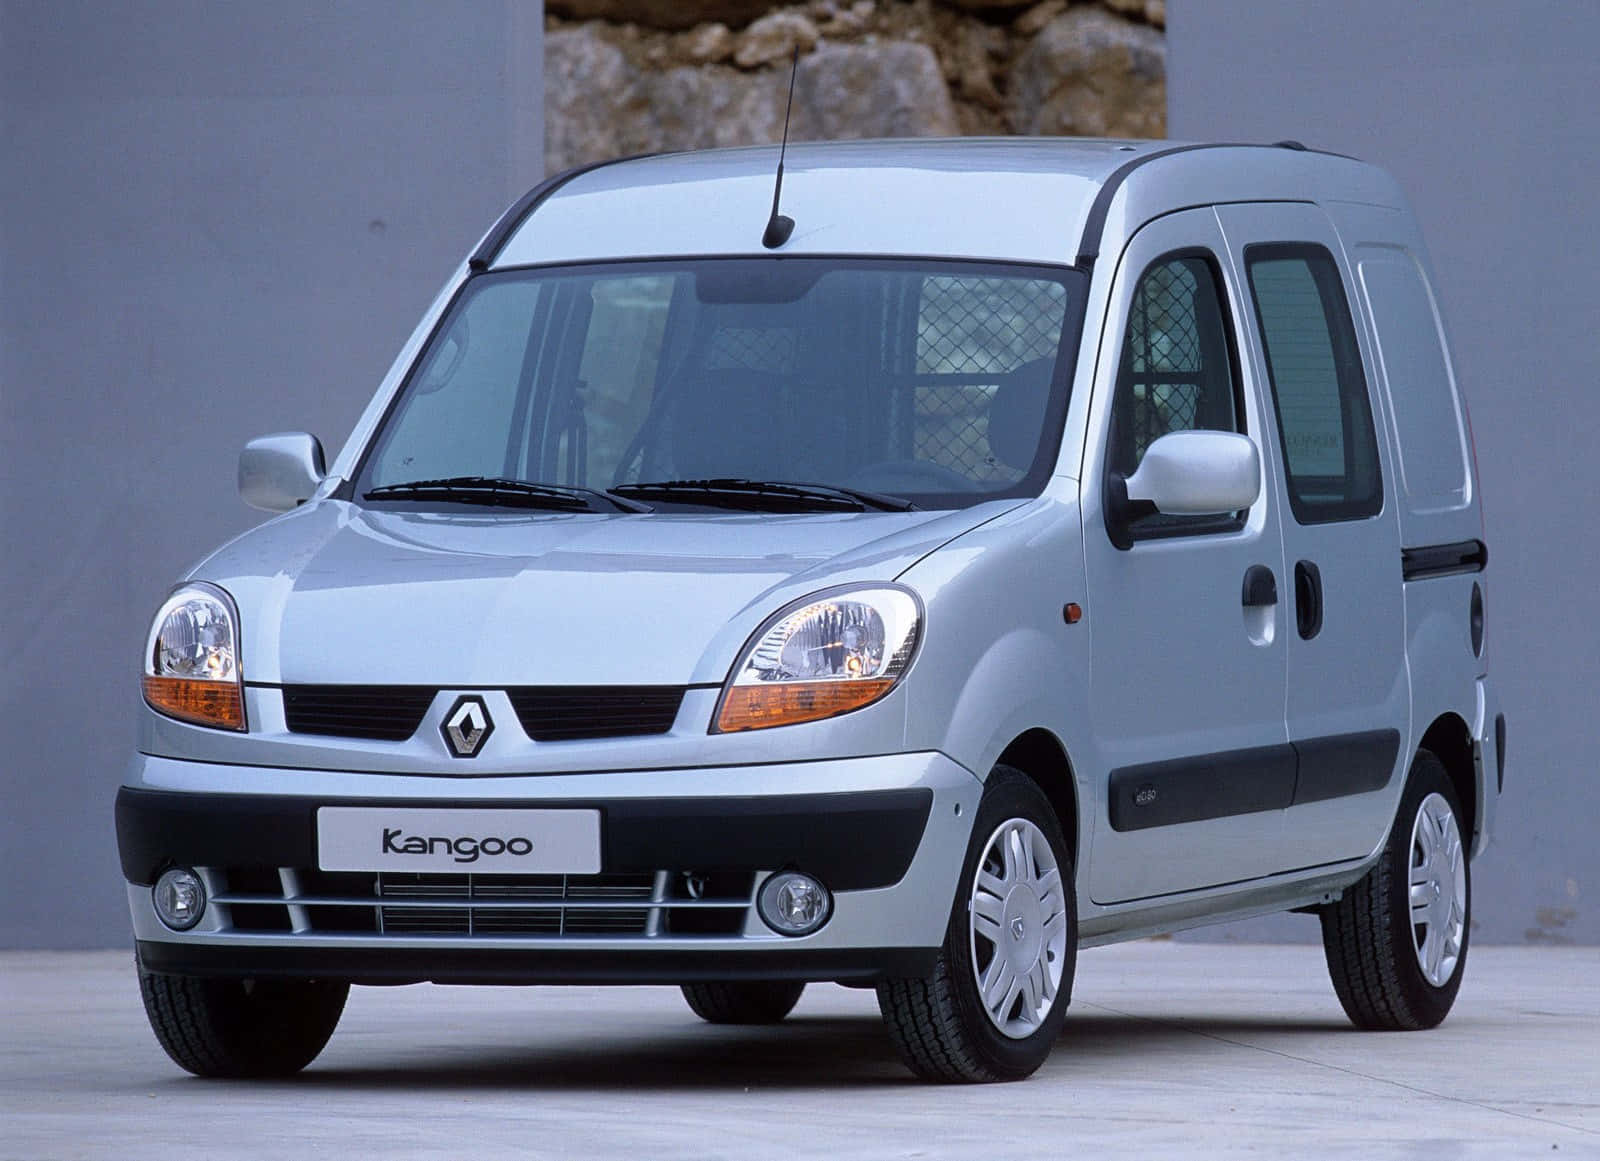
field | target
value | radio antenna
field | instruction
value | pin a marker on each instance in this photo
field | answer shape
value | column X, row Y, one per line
column 780, row 227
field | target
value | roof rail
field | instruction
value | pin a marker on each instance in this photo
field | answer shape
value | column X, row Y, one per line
column 489, row 249
column 1094, row 224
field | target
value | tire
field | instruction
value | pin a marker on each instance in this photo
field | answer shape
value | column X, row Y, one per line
column 1014, row 919
column 743, row 1001
column 241, row 1028
column 1396, row 963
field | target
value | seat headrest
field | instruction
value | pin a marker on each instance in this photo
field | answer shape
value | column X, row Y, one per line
column 1016, row 413
column 723, row 423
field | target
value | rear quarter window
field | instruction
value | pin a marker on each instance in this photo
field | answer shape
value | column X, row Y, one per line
column 1416, row 376
column 1319, row 390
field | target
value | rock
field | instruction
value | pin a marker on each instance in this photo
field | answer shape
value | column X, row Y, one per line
column 609, row 109
column 966, row 62
column 898, row 69
column 849, row 22
column 709, row 43
column 985, row 5
column 669, row 14
column 1035, row 18
column 598, row 105
column 705, row 108
column 578, row 64
column 774, row 37
column 887, row 89
column 1089, row 73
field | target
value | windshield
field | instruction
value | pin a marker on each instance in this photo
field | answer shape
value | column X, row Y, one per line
column 928, row 382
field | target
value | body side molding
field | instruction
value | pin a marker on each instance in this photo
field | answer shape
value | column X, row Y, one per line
column 1237, row 782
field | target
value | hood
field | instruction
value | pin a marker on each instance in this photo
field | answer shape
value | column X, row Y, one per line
column 337, row 593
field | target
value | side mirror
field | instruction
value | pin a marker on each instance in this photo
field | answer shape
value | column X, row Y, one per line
column 1185, row 473
column 279, row 472
column 1198, row 473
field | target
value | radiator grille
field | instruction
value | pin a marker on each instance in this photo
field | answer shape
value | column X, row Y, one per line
column 388, row 713
column 553, row 713
column 548, row 713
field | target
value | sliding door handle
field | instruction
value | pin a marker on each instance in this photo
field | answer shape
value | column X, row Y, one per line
column 1307, row 599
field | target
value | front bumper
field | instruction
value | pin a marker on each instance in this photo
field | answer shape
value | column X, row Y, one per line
column 683, row 854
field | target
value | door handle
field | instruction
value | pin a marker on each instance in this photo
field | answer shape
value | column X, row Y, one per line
column 1260, row 587
column 1307, row 599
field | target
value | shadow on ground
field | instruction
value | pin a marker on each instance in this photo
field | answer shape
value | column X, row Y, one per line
column 801, row 1053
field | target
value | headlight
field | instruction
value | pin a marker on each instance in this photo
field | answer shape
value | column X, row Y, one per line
column 828, row 656
column 191, row 659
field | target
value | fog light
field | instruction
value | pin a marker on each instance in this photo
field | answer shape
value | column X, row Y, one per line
column 180, row 898
column 794, row 904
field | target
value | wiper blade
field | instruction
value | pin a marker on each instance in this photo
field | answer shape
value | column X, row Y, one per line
column 496, row 491
column 767, row 495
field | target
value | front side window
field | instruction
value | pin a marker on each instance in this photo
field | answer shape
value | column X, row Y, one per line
column 1318, row 388
column 1176, row 373
column 933, row 382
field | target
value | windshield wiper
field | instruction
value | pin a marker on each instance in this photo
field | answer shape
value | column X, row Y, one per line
column 494, row 491
column 767, row 495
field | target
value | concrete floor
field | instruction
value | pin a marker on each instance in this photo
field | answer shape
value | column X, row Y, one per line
column 1171, row 1050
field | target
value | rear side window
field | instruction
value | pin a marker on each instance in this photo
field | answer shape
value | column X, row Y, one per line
column 1433, row 449
column 1319, row 391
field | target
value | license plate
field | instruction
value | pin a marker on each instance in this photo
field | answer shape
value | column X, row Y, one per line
column 480, row 842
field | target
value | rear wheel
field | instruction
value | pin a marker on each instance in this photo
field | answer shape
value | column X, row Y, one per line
column 994, row 1004
column 241, row 1028
column 743, row 1001
column 1396, row 943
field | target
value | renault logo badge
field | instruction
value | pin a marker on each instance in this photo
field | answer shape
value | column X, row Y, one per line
column 467, row 726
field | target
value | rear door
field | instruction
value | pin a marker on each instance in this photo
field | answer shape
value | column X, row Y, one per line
column 1188, row 657
column 1348, row 701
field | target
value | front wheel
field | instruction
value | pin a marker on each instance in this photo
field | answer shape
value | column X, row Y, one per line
column 1396, row 943
column 743, row 1001
column 994, row 1004
column 241, row 1028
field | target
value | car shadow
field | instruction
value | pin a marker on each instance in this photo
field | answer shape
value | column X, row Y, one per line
column 802, row 1053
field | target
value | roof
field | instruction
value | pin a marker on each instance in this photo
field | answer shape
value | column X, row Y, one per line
column 1009, row 199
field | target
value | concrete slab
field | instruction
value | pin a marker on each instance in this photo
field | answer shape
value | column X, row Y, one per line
column 1171, row 1050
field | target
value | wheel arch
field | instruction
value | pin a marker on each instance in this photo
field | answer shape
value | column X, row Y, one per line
column 1038, row 753
column 1449, row 739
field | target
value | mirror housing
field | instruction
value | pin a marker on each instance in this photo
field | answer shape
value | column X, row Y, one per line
column 1198, row 473
column 1184, row 473
column 281, row 471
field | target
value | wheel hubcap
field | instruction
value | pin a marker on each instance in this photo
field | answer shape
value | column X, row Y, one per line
column 1018, row 928
column 1438, row 890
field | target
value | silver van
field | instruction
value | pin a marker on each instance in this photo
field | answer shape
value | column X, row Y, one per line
column 974, row 551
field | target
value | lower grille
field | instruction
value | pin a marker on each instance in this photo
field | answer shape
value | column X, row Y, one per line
column 510, row 896
column 291, row 901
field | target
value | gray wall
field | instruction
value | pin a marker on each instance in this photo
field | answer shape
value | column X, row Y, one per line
column 1486, row 112
column 216, row 220
column 221, row 220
